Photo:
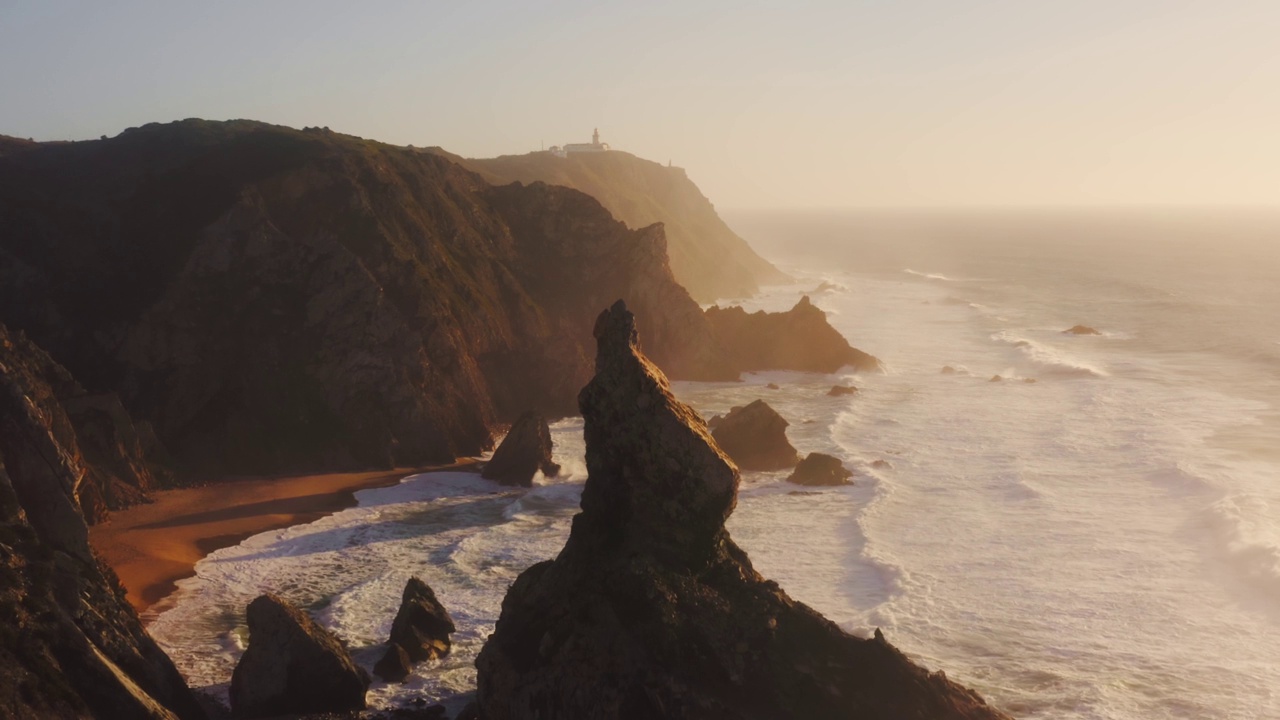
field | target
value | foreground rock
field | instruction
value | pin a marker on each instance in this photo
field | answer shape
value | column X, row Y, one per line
column 293, row 666
column 419, row 633
column 799, row 339
column 70, row 645
column 820, row 469
column 1080, row 330
column 755, row 437
column 651, row 610
column 523, row 452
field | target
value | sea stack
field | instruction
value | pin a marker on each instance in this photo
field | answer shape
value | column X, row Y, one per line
column 820, row 469
column 420, row 632
column 523, row 452
column 755, row 437
column 293, row 666
column 651, row 610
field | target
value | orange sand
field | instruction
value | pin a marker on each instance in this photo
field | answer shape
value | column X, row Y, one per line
column 153, row 546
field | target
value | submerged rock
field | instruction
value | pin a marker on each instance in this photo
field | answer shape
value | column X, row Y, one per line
column 996, row 378
column 1080, row 330
column 293, row 666
column 755, row 437
column 838, row 390
column 948, row 370
column 820, row 469
column 773, row 386
column 524, row 451
column 652, row 611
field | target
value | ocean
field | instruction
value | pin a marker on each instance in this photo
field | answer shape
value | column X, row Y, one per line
column 1103, row 542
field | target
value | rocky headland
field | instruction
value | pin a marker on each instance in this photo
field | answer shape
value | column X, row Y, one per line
column 652, row 611
column 798, row 339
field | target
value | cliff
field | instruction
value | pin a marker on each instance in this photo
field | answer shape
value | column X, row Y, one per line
column 707, row 257
column 277, row 300
column 652, row 611
column 70, row 645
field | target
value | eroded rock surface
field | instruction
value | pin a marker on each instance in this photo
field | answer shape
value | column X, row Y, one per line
column 755, row 437
column 523, row 452
column 70, row 644
column 651, row 610
column 293, row 666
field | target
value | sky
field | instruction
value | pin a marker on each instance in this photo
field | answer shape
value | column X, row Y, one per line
column 911, row 103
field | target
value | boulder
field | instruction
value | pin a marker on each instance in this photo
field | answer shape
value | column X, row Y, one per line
column 422, row 626
column 524, row 451
column 395, row 665
column 839, row 390
column 652, row 611
column 755, row 437
column 1080, row 330
column 820, row 469
column 293, row 666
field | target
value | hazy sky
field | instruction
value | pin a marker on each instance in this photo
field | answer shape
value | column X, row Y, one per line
column 943, row 102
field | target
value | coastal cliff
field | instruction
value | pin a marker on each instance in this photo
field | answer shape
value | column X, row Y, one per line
column 707, row 257
column 70, row 645
column 273, row 300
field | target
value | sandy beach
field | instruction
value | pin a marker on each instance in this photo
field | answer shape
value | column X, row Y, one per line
column 153, row 546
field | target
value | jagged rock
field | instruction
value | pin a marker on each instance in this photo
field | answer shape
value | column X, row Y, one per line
column 799, row 339
column 293, row 666
column 652, row 611
column 1080, row 330
column 422, row 625
column 820, row 469
column 523, row 452
column 70, row 645
column 839, row 390
column 755, row 436
column 714, row 421
column 395, row 665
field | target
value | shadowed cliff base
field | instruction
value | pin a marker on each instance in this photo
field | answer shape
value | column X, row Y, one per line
column 651, row 610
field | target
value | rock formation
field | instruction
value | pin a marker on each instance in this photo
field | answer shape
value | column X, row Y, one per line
column 70, row 645
column 523, row 452
column 651, row 610
column 839, row 390
column 948, row 370
column 707, row 257
column 1080, row 330
column 419, row 633
column 799, row 339
column 273, row 300
column 820, row 469
column 293, row 666
column 755, row 437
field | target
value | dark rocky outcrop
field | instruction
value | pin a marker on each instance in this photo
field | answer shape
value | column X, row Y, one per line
column 799, row 339
column 70, row 645
column 820, row 469
column 755, row 437
column 1080, row 330
column 273, row 300
column 293, row 666
column 419, row 633
column 651, row 610
column 840, row 390
column 523, row 452
column 707, row 257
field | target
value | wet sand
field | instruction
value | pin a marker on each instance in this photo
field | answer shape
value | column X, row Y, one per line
column 153, row 546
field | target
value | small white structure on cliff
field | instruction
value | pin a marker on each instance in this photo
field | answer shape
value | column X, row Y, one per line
column 594, row 146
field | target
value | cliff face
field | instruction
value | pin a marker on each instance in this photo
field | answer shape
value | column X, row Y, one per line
column 275, row 300
column 651, row 610
column 70, row 645
column 707, row 257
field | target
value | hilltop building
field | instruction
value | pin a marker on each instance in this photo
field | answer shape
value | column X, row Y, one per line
column 594, row 146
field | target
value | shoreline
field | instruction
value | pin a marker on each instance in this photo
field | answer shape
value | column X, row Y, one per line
column 154, row 545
